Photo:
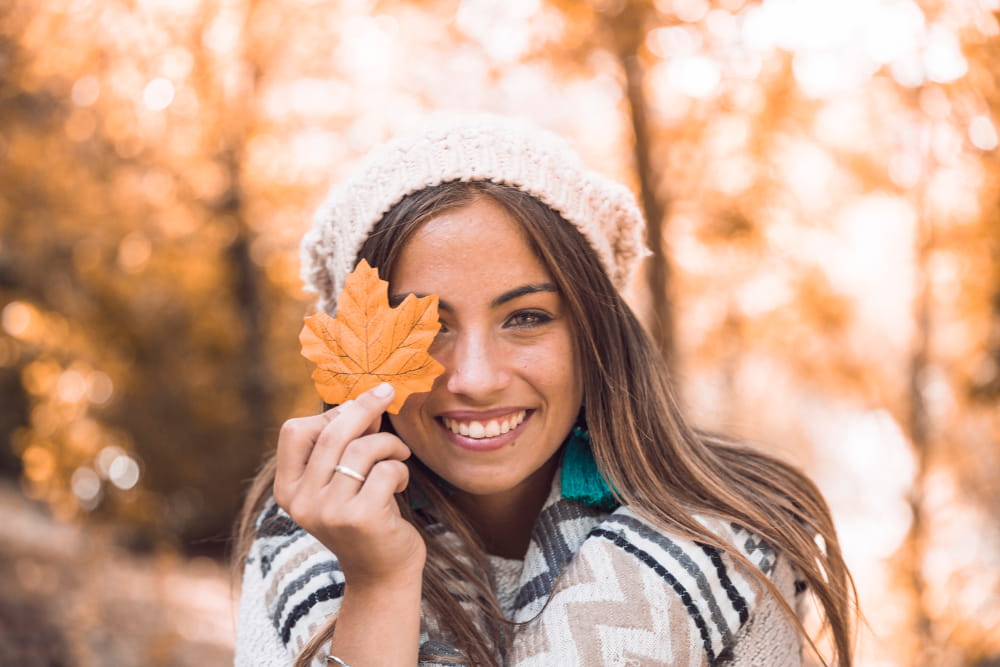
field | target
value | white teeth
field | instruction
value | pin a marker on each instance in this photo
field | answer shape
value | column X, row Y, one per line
column 489, row 429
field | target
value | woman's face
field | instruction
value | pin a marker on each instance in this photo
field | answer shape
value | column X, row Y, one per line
column 511, row 389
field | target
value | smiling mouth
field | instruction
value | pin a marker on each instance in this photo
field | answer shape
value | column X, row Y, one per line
column 487, row 428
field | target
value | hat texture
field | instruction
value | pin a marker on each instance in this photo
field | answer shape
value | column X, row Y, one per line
column 471, row 147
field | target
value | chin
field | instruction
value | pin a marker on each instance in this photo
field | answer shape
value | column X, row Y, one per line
column 486, row 484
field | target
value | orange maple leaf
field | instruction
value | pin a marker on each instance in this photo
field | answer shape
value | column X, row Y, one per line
column 370, row 342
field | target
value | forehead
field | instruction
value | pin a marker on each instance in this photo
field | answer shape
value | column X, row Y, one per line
column 479, row 245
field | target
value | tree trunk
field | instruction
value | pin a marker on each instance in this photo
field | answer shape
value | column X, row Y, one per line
column 255, row 380
column 918, row 425
column 254, row 376
column 630, row 36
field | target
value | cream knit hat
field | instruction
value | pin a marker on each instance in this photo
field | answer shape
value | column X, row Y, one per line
column 479, row 147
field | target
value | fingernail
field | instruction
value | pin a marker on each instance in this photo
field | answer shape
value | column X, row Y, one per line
column 383, row 390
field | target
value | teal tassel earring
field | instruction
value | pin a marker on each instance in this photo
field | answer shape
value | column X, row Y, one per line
column 579, row 477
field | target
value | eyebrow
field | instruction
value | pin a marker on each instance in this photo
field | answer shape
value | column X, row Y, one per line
column 510, row 295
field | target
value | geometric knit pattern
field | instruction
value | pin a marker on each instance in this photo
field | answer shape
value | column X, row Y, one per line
column 636, row 596
column 596, row 588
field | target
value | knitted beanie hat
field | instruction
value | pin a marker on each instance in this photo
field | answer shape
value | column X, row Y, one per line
column 477, row 147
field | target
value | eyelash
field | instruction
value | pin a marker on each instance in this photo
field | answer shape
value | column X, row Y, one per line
column 537, row 318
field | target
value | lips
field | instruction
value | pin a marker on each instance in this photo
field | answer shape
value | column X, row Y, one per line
column 478, row 429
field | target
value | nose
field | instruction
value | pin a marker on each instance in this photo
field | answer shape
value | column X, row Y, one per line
column 476, row 367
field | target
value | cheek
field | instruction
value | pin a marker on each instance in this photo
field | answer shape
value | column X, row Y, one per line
column 555, row 371
column 407, row 422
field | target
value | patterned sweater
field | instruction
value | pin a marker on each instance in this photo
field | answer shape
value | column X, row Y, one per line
column 595, row 588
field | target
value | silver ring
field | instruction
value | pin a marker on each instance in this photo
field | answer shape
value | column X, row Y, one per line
column 350, row 472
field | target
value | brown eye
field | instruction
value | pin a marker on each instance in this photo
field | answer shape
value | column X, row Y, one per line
column 528, row 318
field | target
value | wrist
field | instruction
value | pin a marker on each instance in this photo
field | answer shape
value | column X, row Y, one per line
column 379, row 621
column 405, row 579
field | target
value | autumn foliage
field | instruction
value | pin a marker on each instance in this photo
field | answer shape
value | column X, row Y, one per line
column 824, row 192
column 370, row 342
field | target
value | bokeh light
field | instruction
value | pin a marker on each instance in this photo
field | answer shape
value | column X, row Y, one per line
column 827, row 175
column 16, row 318
column 158, row 94
column 87, row 486
column 982, row 133
column 86, row 91
column 123, row 471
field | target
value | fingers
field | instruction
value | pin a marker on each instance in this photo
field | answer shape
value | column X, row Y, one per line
column 351, row 422
column 363, row 453
column 358, row 519
column 359, row 455
column 295, row 444
column 387, row 478
column 358, row 416
column 310, row 447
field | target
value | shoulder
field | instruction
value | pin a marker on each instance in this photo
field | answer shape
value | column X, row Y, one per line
column 292, row 576
column 706, row 594
column 655, row 597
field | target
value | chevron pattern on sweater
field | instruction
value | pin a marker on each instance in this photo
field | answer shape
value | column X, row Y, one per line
column 599, row 615
column 595, row 588
column 304, row 584
column 561, row 528
column 683, row 565
column 275, row 531
column 754, row 548
column 635, row 595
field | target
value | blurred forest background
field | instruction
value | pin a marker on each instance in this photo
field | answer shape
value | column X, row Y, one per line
column 823, row 188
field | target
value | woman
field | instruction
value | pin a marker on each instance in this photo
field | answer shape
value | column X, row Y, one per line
column 546, row 503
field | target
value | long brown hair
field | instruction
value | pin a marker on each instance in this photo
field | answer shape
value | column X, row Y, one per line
column 659, row 465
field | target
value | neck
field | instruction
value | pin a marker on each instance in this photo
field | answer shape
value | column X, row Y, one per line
column 505, row 520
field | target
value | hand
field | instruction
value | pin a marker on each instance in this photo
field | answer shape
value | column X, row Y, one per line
column 358, row 521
